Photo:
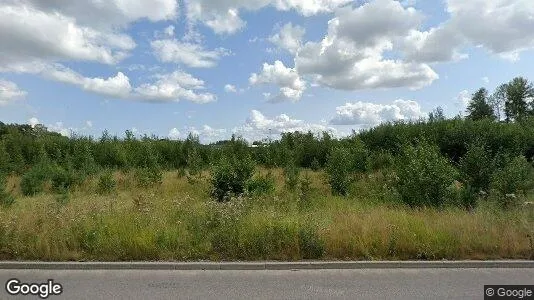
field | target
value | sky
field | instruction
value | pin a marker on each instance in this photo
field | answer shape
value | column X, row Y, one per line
column 255, row 68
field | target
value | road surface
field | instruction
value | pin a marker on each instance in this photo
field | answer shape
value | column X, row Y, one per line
column 271, row 284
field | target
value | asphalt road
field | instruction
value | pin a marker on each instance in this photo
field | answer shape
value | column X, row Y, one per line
column 271, row 284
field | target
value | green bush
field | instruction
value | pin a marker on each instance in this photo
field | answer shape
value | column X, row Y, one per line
column 465, row 196
column 33, row 180
column 310, row 245
column 380, row 160
column 305, row 191
column 261, row 185
column 106, row 183
column 424, row 176
column 291, row 176
column 230, row 177
column 148, row 177
column 515, row 177
column 63, row 179
column 6, row 199
column 338, row 170
column 476, row 167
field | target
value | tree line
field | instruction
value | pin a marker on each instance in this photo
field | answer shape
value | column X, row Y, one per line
column 496, row 133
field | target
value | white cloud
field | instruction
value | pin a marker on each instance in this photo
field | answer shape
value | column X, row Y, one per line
column 503, row 27
column 33, row 122
column 229, row 88
column 462, row 101
column 189, row 54
column 60, row 128
column 9, row 91
column 29, row 34
column 223, row 16
column 106, row 14
column 367, row 114
column 174, row 134
column 289, row 38
column 89, row 124
column 291, row 85
column 351, row 55
column 175, row 86
column 486, row 80
column 258, row 126
column 206, row 134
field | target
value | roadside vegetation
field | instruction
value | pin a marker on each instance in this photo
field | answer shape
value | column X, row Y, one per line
column 436, row 188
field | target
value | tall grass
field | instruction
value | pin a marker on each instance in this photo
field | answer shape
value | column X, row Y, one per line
column 179, row 221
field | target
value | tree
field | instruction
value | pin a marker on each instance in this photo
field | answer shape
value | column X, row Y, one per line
column 436, row 115
column 518, row 92
column 497, row 101
column 479, row 108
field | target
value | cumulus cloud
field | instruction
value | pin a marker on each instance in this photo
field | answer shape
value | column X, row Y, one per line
column 29, row 34
column 229, row 88
column 289, row 38
column 503, row 27
column 189, row 54
column 175, row 86
column 258, row 126
column 291, row 85
column 367, row 114
column 33, row 122
column 351, row 55
column 206, row 134
column 223, row 16
column 9, row 91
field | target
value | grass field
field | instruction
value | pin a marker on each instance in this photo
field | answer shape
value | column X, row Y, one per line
column 179, row 221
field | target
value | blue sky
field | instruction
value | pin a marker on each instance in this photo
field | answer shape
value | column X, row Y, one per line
column 255, row 67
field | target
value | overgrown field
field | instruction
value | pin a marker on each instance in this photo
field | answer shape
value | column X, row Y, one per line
column 178, row 220
column 427, row 189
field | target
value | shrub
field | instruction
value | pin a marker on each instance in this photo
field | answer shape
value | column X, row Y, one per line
column 149, row 176
column 380, row 160
column 424, row 176
column 338, row 171
column 310, row 245
column 476, row 167
column 515, row 177
column 466, row 196
column 6, row 199
column 261, row 185
column 33, row 180
column 305, row 191
column 106, row 183
column 62, row 179
column 291, row 176
column 230, row 176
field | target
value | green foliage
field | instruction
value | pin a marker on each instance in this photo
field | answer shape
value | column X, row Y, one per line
column 230, row 177
column 476, row 167
column 424, row 176
column 62, row 179
column 479, row 108
column 310, row 245
column 305, row 191
column 514, row 178
column 261, row 185
column 148, row 176
column 33, row 180
column 518, row 91
column 6, row 199
column 106, row 183
column 380, row 160
column 291, row 176
column 338, row 170
column 465, row 196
